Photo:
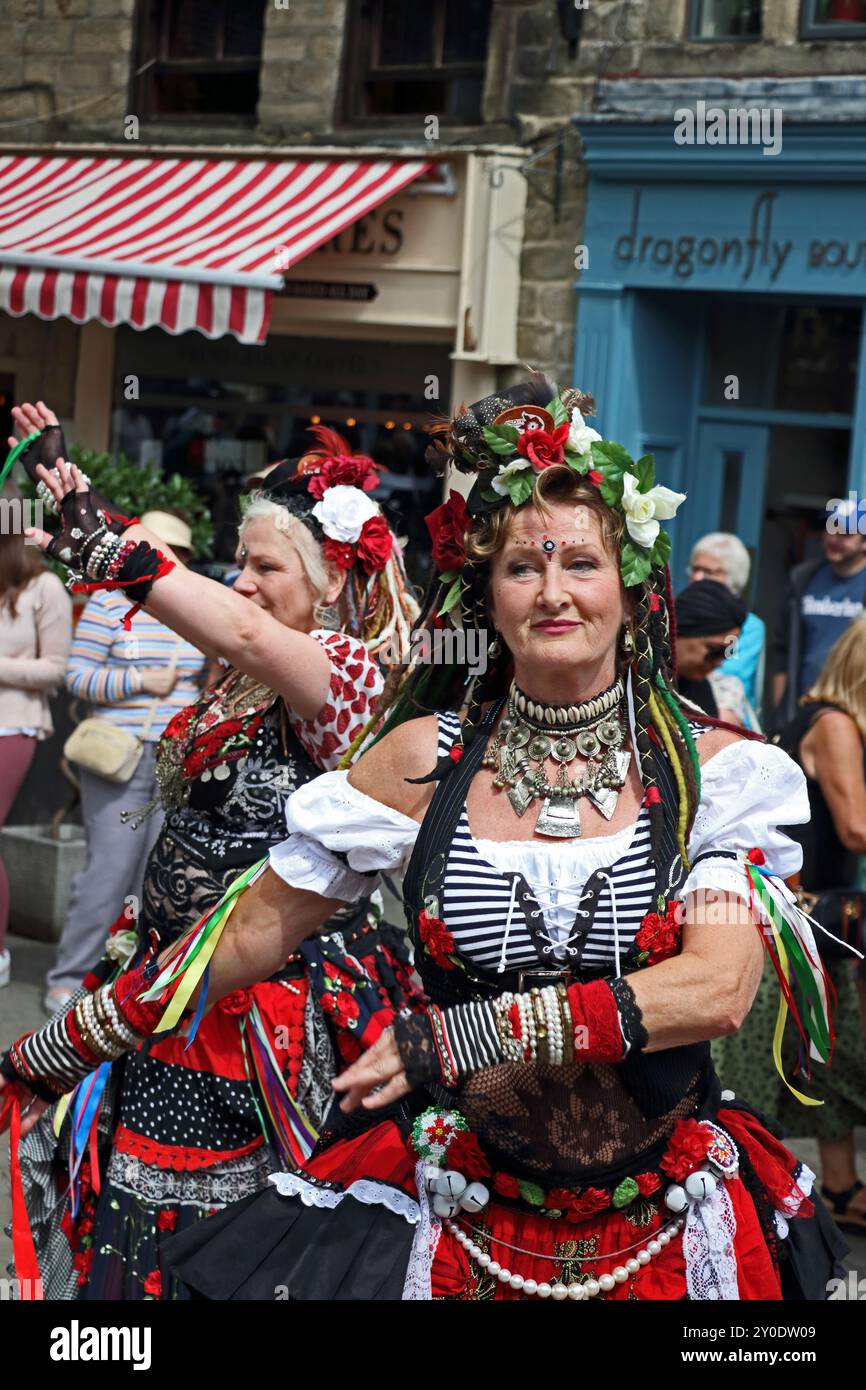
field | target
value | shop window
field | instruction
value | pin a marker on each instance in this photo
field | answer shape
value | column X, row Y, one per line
column 833, row 19
column 794, row 357
column 198, row 59
column 217, row 411
column 416, row 60
column 727, row 20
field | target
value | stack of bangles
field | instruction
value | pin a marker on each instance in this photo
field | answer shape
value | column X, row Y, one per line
column 97, row 1028
column 590, row 1023
column 536, row 1026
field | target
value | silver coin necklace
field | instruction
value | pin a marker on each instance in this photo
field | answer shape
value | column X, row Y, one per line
column 530, row 732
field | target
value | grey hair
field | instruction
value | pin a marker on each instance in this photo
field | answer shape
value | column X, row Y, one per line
column 730, row 550
column 312, row 559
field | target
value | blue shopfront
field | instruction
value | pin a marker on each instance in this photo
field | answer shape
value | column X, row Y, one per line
column 720, row 325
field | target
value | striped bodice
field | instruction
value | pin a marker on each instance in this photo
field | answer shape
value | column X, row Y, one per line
column 502, row 920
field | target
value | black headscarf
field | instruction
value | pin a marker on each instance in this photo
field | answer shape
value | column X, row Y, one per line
column 708, row 609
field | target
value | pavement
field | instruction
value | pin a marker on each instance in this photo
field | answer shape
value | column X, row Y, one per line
column 21, row 1009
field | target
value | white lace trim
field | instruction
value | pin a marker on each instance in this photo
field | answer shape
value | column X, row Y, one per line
column 371, row 1194
column 302, row 862
column 708, row 1247
column 419, row 1283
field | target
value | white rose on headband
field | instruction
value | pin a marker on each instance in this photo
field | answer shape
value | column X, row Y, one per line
column 343, row 511
column 580, row 436
column 644, row 510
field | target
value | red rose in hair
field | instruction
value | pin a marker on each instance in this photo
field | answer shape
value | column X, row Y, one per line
column 648, row 1183
column 660, row 936
column 686, row 1151
column 437, row 940
column 505, row 1185
column 342, row 470
column 375, row 544
column 166, row 1220
column 598, row 478
column 235, row 1003
column 465, row 1154
column 542, row 448
column 447, row 526
column 339, row 553
column 153, row 1284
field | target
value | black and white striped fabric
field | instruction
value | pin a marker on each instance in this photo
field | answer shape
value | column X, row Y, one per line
column 484, row 908
column 51, row 1054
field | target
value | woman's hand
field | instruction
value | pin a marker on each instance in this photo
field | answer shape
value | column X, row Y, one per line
column 27, row 418
column 31, row 1108
column 376, row 1079
column 159, row 680
column 60, row 482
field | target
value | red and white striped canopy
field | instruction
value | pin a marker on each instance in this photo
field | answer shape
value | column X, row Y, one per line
column 177, row 243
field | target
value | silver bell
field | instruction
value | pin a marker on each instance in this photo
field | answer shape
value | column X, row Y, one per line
column 676, row 1199
column 700, row 1186
column 475, row 1198
column 445, row 1207
column 450, row 1184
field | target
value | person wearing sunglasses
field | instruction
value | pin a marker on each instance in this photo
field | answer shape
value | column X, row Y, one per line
column 709, row 622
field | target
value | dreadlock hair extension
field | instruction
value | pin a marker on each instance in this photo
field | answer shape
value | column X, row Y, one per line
column 664, row 723
column 642, row 668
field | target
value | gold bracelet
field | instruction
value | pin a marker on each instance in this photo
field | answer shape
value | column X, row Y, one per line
column 567, row 1024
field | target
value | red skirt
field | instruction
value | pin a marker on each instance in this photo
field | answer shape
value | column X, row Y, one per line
column 569, row 1250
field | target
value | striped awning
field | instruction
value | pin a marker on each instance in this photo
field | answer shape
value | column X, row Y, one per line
column 176, row 243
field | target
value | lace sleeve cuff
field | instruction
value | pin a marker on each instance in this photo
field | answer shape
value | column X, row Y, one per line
column 303, row 862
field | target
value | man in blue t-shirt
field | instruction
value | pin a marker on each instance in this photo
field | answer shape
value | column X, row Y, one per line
column 823, row 597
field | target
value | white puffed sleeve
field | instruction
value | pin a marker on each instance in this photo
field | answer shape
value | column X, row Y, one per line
column 748, row 790
column 328, row 817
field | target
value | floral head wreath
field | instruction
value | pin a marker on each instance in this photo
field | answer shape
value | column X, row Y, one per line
column 328, row 490
column 509, row 439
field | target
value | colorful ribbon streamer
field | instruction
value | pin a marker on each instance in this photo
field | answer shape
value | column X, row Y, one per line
column 289, row 1127
column 794, row 956
column 188, row 962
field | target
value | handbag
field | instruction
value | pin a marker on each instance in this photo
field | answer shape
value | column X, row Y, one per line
column 840, row 911
column 100, row 747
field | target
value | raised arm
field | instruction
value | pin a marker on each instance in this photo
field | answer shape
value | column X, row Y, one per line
column 218, row 621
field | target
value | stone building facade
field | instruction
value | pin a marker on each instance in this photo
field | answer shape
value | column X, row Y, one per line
column 67, row 75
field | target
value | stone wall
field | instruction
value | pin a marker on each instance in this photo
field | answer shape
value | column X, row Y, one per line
column 66, row 64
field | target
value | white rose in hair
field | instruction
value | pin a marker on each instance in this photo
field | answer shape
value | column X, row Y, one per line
column 643, row 509
column 343, row 511
column 580, row 435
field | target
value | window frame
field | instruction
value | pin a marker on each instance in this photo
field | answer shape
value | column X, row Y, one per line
column 363, row 40
column 695, row 11
column 815, row 31
column 146, row 65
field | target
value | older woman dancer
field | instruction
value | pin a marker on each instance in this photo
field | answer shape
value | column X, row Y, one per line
column 188, row 1125
column 559, row 863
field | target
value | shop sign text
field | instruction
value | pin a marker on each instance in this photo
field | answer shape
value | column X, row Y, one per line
column 757, row 252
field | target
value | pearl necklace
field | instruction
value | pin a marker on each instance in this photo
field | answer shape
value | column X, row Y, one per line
column 559, row 1291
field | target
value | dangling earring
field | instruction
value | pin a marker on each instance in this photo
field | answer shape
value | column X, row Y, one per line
column 627, row 641
column 495, row 647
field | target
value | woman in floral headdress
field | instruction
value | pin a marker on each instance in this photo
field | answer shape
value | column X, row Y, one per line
column 194, row 1126
column 585, row 874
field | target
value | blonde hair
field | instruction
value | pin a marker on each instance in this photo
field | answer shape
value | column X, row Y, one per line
column 843, row 679
column 313, row 562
